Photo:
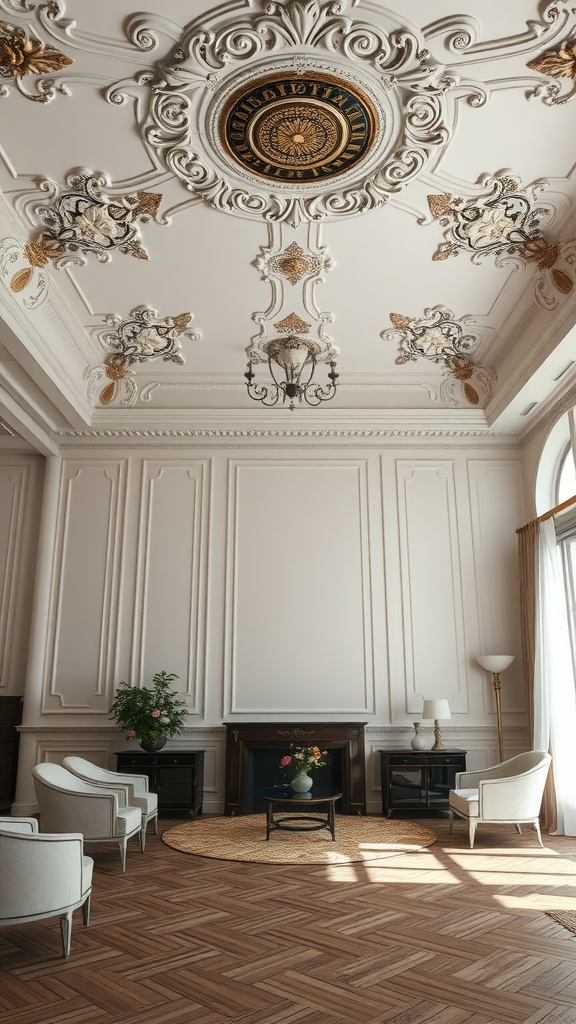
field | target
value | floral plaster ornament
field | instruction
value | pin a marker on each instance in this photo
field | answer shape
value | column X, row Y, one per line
column 506, row 223
column 139, row 338
column 86, row 219
column 501, row 223
column 439, row 337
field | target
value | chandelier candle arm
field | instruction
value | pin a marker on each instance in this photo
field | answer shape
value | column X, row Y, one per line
column 436, row 709
column 292, row 355
column 496, row 663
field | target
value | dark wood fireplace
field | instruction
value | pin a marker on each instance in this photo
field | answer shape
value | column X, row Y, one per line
column 252, row 760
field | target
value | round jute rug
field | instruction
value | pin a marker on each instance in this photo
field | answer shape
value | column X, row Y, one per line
column 244, row 838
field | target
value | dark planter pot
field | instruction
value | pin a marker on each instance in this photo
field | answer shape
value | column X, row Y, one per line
column 153, row 744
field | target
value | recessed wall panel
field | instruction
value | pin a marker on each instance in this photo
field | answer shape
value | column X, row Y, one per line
column 13, row 487
column 430, row 580
column 299, row 631
column 83, row 613
column 497, row 512
column 170, row 596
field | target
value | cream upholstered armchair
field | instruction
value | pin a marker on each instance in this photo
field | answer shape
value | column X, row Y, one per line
column 68, row 804
column 137, row 792
column 510, row 792
column 42, row 876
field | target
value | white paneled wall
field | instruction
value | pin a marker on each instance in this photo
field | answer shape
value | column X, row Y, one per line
column 322, row 584
column 81, row 635
column 170, row 579
column 20, row 495
column 299, row 602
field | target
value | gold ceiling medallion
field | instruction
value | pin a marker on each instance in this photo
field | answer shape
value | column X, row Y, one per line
column 141, row 337
column 439, row 337
column 304, row 127
column 20, row 55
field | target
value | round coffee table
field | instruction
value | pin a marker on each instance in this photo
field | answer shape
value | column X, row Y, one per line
column 282, row 798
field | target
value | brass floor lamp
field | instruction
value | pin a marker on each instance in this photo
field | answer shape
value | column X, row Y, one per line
column 496, row 663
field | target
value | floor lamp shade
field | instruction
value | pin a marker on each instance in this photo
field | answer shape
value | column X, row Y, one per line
column 495, row 662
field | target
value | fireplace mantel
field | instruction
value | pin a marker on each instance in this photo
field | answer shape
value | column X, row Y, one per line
column 243, row 737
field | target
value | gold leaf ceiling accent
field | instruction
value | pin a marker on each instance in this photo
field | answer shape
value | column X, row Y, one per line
column 293, row 324
column 560, row 63
column 20, row 55
column 440, row 206
column 400, row 322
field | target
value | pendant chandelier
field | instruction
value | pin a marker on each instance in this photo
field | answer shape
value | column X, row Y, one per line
column 292, row 364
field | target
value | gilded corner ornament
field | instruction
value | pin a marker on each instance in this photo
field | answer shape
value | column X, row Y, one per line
column 440, row 338
column 506, row 223
column 139, row 338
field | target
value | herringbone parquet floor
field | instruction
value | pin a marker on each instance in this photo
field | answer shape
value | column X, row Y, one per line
column 445, row 936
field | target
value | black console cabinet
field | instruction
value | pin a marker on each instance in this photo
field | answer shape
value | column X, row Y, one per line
column 418, row 780
column 177, row 776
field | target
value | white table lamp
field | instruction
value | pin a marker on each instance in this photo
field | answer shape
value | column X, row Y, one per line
column 436, row 709
column 496, row 663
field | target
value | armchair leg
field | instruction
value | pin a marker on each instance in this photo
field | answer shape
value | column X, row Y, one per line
column 156, row 823
column 451, row 819
column 471, row 831
column 538, row 832
column 86, row 911
column 518, row 829
column 66, row 932
column 122, row 847
column 142, row 837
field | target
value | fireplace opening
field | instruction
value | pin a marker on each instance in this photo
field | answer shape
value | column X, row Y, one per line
column 264, row 772
column 254, row 750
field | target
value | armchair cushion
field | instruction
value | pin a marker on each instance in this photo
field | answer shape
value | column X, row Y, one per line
column 465, row 800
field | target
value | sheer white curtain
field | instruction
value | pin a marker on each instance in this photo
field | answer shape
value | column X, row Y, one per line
column 554, row 690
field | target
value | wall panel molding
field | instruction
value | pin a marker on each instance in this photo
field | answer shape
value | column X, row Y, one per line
column 81, row 639
column 171, row 576
column 431, row 583
column 497, row 507
column 14, row 487
column 298, row 588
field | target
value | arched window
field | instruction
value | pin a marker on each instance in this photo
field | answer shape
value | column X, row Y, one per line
column 566, row 478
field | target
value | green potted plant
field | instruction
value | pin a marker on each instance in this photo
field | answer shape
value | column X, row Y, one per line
column 149, row 714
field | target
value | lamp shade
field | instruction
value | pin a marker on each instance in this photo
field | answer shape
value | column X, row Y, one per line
column 436, row 709
column 495, row 662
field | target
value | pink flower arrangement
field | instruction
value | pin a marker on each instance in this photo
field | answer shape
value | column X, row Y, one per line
column 303, row 759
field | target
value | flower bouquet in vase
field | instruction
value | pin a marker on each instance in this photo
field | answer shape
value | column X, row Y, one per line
column 299, row 762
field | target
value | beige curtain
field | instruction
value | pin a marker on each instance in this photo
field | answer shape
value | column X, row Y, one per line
column 528, row 566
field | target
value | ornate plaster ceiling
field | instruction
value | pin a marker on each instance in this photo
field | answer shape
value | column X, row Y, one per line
column 393, row 189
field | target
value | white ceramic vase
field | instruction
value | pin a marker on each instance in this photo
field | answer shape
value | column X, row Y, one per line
column 417, row 742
